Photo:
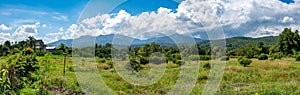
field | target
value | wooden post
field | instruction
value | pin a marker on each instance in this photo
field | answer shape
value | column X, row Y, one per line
column 65, row 54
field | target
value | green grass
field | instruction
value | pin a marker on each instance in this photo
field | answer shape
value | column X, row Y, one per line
column 263, row 77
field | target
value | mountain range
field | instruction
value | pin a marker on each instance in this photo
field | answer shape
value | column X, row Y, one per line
column 117, row 39
column 125, row 40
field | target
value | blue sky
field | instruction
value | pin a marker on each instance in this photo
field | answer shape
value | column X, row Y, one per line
column 52, row 20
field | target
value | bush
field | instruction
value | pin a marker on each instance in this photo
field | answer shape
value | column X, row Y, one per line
column 244, row 61
column 40, row 53
column 277, row 55
column 134, row 65
column 224, row 58
column 179, row 62
column 263, row 57
column 15, row 51
column 206, row 65
column 297, row 58
column 58, row 52
column 144, row 60
column 205, row 57
column 28, row 51
column 71, row 68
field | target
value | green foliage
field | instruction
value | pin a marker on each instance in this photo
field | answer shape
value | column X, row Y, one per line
column 134, row 65
column 205, row 57
column 40, row 53
column 28, row 51
column 225, row 58
column 143, row 60
column 297, row 58
column 179, row 62
column 206, row 65
column 244, row 61
column 288, row 41
column 15, row 51
column 263, row 57
column 58, row 52
column 277, row 55
column 5, row 85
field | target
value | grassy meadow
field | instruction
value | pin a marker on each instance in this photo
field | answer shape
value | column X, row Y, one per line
column 261, row 77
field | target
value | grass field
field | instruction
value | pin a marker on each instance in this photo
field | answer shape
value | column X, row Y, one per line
column 262, row 77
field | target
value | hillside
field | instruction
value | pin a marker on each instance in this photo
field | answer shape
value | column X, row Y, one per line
column 121, row 39
column 235, row 42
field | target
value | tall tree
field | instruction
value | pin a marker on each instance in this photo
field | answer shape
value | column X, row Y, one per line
column 288, row 41
column 31, row 42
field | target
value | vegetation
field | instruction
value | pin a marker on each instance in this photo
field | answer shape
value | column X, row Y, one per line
column 244, row 61
column 28, row 70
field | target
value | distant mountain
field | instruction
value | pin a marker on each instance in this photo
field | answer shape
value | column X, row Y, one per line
column 124, row 40
column 235, row 42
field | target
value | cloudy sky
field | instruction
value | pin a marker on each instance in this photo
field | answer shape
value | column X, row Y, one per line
column 52, row 20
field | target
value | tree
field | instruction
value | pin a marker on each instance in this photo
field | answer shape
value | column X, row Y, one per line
column 7, row 44
column 244, row 61
column 31, row 42
column 63, row 48
column 288, row 41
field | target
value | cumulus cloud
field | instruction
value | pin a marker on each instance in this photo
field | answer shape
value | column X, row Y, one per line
column 237, row 17
column 62, row 34
column 25, row 31
column 287, row 19
column 4, row 27
column 252, row 18
column 269, row 31
column 61, row 29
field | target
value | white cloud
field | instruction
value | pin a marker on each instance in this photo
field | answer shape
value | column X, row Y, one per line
column 61, row 29
column 44, row 25
column 24, row 31
column 62, row 18
column 4, row 37
column 269, row 31
column 254, row 18
column 287, row 19
column 4, row 27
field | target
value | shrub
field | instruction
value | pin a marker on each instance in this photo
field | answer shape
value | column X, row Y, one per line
column 15, row 51
column 134, row 65
column 297, row 58
column 205, row 57
column 277, row 55
column 206, row 65
column 224, row 58
column 58, row 52
column 28, row 51
column 263, row 57
column 179, row 62
column 244, row 61
column 71, row 68
column 40, row 53
column 144, row 60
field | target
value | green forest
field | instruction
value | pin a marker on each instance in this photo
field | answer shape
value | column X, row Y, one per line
column 254, row 66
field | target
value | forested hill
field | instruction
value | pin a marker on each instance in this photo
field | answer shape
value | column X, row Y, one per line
column 236, row 42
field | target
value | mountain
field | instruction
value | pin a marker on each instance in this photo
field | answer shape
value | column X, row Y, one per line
column 124, row 40
column 236, row 42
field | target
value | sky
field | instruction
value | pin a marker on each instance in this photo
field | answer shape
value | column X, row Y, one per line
column 52, row 20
